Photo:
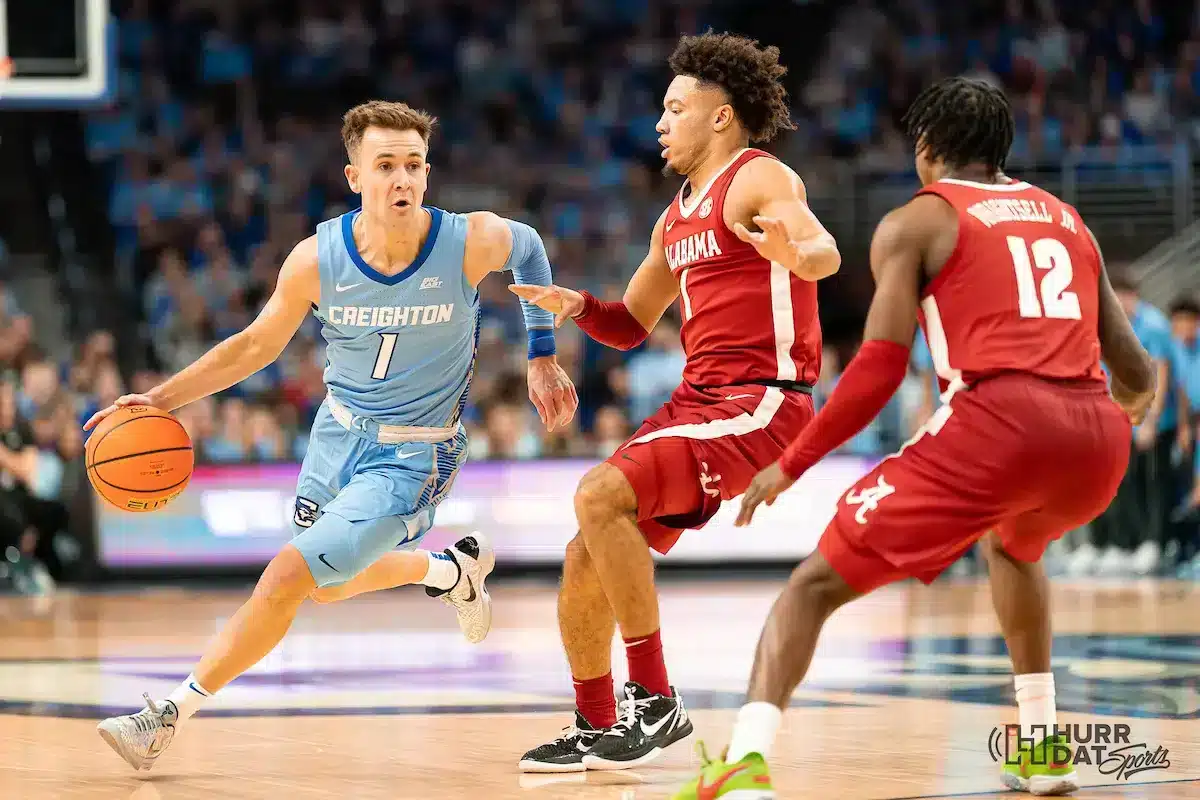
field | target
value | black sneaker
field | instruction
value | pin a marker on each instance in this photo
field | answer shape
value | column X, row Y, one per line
column 564, row 754
column 646, row 725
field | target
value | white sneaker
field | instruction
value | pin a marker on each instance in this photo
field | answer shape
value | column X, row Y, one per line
column 142, row 737
column 469, row 597
column 1083, row 561
column 1145, row 558
column 1113, row 562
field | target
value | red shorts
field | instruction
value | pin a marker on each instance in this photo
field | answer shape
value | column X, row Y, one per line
column 702, row 447
column 1027, row 458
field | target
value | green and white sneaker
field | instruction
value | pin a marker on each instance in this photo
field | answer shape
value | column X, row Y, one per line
column 747, row 779
column 1042, row 770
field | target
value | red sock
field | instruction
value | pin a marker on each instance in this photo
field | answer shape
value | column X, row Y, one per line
column 594, row 699
column 646, row 665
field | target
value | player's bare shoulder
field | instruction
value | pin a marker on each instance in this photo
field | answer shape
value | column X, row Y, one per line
column 926, row 227
column 300, row 274
column 758, row 182
column 656, row 234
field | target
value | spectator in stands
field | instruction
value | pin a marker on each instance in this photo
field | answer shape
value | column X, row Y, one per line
column 506, row 435
column 27, row 476
column 655, row 370
column 1131, row 535
column 1185, row 521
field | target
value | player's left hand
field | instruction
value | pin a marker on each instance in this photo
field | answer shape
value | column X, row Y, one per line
column 772, row 240
column 766, row 486
column 552, row 393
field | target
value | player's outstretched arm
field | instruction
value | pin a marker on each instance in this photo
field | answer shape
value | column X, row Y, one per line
column 622, row 325
column 789, row 233
column 498, row 244
column 246, row 352
column 898, row 253
column 1132, row 368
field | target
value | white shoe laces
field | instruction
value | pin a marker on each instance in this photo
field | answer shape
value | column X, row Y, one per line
column 629, row 712
column 149, row 719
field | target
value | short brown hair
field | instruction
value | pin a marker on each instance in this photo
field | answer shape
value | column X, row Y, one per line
column 384, row 114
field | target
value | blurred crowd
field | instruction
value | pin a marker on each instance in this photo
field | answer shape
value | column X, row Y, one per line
column 222, row 150
column 219, row 163
column 1096, row 79
column 41, row 446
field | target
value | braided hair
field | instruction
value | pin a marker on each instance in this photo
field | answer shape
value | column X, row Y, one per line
column 962, row 121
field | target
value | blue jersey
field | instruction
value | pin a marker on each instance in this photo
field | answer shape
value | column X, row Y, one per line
column 401, row 348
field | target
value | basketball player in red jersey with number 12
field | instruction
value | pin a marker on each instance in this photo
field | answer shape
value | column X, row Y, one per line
column 1011, row 291
column 741, row 252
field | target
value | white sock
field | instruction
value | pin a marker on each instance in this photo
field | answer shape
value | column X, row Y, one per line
column 754, row 731
column 442, row 572
column 189, row 697
column 1035, row 701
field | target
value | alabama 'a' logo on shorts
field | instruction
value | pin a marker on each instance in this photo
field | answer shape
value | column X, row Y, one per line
column 868, row 499
column 306, row 512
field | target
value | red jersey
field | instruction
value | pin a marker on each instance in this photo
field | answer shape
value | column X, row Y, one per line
column 745, row 319
column 1020, row 292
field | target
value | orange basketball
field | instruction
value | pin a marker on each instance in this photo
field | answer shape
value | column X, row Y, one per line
column 139, row 458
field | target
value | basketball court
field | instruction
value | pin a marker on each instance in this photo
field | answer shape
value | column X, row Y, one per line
column 379, row 696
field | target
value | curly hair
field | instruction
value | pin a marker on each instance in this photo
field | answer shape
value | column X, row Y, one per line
column 749, row 75
column 962, row 121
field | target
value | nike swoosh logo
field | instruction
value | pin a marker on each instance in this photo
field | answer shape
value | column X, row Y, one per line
column 340, row 288
column 671, row 224
column 192, row 686
column 403, row 456
column 652, row 730
column 710, row 791
column 471, row 586
column 737, row 396
column 321, row 558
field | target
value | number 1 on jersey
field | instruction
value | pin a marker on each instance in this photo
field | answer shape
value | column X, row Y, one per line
column 1050, row 297
column 387, row 346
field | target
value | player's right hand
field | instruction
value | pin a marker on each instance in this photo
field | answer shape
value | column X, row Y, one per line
column 1136, row 405
column 562, row 303
column 120, row 402
column 766, row 487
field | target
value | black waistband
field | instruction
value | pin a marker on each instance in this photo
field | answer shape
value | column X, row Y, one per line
column 791, row 386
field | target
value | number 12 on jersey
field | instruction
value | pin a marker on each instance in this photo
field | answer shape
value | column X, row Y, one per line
column 1050, row 297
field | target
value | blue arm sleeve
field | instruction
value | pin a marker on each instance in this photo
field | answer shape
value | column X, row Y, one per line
column 530, row 264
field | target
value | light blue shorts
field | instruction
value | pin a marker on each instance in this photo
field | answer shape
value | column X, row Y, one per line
column 357, row 499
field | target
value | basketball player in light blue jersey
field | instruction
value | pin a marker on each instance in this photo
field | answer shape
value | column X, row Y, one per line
column 394, row 285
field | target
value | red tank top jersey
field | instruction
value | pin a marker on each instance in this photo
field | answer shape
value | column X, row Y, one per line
column 745, row 319
column 1020, row 292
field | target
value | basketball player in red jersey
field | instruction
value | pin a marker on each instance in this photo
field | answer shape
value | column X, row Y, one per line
column 1011, row 291
column 741, row 251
